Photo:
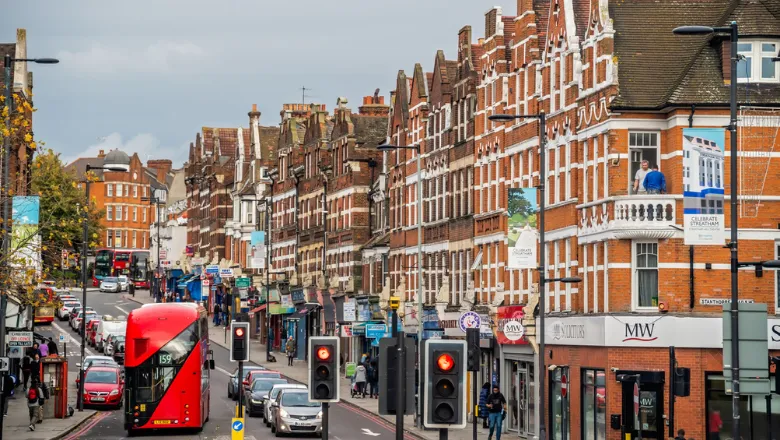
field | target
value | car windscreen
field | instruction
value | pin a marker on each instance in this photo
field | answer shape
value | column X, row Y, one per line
column 266, row 384
column 297, row 399
column 100, row 377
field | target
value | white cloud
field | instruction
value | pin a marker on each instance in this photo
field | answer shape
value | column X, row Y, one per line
column 146, row 145
column 159, row 57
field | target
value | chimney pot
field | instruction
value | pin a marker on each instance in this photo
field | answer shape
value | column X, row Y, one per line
column 254, row 107
column 102, row 153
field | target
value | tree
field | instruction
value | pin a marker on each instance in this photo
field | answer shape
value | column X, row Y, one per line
column 518, row 204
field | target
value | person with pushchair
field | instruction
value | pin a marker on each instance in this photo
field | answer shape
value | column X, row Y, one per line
column 360, row 380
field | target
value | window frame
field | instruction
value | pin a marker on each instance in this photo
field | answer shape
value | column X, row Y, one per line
column 657, row 148
column 583, row 372
column 757, row 55
column 635, row 276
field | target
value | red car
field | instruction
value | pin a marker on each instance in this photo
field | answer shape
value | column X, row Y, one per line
column 254, row 374
column 92, row 326
column 104, row 386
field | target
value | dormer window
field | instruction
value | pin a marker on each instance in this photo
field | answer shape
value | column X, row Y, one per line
column 756, row 63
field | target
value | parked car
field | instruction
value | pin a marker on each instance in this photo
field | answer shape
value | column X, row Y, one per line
column 90, row 361
column 253, row 396
column 107, row 327
column 63, row 313
column 271, row 396
column 66, row 297
column 76, row 322
column 91, row 328
column 75, row 312
column 232, row 388
column 256, row 374
column 295, row 414
column 110, row 284
column 115, row 347
column 104, row 386
column 124, row 282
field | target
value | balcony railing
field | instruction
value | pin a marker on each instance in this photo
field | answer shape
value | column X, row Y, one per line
column 629, row 217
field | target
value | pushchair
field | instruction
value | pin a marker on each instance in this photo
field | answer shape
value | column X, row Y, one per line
column 355, row 390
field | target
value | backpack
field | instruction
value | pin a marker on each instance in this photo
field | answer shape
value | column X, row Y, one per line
column 32, row 395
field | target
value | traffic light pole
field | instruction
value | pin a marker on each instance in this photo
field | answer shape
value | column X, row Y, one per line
column 240, row 383
column 444, row 434
column 400, row 400
column 325, row 411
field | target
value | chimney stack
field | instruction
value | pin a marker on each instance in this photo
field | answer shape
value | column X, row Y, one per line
column 374, row 105
column 161, row 166
column 101, row 154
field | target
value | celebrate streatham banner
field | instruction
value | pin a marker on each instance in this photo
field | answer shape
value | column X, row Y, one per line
column 703, row 195
column 522, row 233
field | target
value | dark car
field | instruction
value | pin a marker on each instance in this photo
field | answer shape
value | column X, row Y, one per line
column 253, row 397
column 232, row 389
column 118, row 344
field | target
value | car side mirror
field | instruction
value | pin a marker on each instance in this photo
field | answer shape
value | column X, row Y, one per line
column 274, row 405
column 265, row 397
column 78, row 365
column 245, row 383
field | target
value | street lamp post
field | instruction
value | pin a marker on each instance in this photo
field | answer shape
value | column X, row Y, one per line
column 543, row 280
column 733, row 31
column 156, row 201
column 84, row 248
column 8, row 63
column 418, row 149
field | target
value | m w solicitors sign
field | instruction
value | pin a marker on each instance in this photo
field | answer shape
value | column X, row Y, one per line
column 641, row 332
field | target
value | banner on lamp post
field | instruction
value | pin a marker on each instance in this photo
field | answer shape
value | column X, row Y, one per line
column 522, row 232
column 257, row 244
column 703, row 180
column 25, row 239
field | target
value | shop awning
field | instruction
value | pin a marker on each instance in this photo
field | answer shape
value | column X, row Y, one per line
column 258, row 309
column 305, row 309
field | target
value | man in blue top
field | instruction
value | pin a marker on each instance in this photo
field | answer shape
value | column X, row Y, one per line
column 655, row 182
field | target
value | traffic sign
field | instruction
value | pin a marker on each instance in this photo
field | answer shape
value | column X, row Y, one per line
column 63, row 337
column 243, row 282
column 469, row 320
column 636, row 399
column 5, row 364
column 20, row 339
column 237, row 429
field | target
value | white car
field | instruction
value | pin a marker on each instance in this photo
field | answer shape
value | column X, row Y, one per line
column 76, row 323
column 110, row 284
column 67, row 305
column 124, row 282
column 271, row 397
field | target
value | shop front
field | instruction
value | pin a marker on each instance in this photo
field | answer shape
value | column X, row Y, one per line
column 596, row 362
column 280, row 314
column 517, row 373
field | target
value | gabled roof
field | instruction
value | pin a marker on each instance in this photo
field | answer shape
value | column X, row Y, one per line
column 228, row 140
column 79, row 167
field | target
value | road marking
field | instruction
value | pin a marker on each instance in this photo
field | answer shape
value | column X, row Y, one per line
column 367, row 431
column 122, row 310
column 73, row 340
column 228, row 373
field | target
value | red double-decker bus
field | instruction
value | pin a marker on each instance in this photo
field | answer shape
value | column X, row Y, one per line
column 167, row 367
column 132, row 263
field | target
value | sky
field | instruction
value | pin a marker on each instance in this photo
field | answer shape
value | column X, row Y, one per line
column 145, row 76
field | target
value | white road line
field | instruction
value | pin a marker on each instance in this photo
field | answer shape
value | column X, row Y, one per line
column 73, row 340
column 228, row 373
column 122, row 310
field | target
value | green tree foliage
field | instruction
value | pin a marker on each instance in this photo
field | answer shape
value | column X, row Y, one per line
column 518, row 204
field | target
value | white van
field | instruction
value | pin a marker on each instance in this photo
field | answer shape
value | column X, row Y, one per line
column 106, row 328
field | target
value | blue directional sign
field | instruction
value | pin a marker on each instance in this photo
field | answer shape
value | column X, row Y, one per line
column 238, row 425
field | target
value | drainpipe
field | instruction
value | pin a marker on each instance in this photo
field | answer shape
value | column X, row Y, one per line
column 691, row 284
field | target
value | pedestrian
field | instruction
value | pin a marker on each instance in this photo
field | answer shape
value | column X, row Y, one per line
column 289, row 347
column 639, row 177
column 655, row 182
column 715, row 425
column 26, row 367
column 35, row 367
column 8, row 391
column 680, row 434
column 360, row 379
column 35, row 349
column 225, row 311
column 44, row 350
column 34, row 401
column 483, row 410
column 373, row 379
column 53, row 350
column 45, row 389
column 496, row 404
column 217, row 311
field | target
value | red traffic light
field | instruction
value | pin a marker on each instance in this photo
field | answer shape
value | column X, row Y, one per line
column 445, row 362
column 323, row 353
column 240, row 332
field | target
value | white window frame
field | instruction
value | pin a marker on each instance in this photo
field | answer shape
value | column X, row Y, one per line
column 630, row 147
column 109, row 238
column 118, row 213
column 756, row 54
column 135, row 191
column 109, row 213
column 119, row 190
column 635, row 276
column 127, row 213
column 135, row 243
column 135, row 213
column 110, row 190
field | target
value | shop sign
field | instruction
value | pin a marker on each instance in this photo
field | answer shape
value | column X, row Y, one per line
column 721, row 301
column 575, row 331
column 359, row 330
column 364, row 311
column 243, row 282
column 350, row 310
column 197, row 261
column 375, row 331
column 212, row 269
column 286, row 301
column 349, row 369
column 298, row 296
column 469, row 320
column 346, row 331
column 510, row 320
column 433, row 334
column 225, row 272
column 20, row 339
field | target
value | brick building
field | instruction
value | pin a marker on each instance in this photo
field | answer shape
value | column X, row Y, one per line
column 618, row 88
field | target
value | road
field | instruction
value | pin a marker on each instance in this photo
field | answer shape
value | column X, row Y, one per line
column 346, row 422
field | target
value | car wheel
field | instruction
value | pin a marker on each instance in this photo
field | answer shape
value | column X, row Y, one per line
column 277, row 433
column 273, row 429
column 230, row 395
column 265, row 420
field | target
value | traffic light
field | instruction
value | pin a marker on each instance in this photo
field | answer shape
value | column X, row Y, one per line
column 388, row 376
column 474, row 352
column 324, row 357
column 445, row 381
column 239, row 346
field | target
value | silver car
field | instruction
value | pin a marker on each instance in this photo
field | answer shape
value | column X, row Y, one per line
column 295, row 414
column 271, row 396
column 110, row 284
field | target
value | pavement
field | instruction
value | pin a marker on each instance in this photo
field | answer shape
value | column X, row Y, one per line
column 16, row 423
column 366, row 407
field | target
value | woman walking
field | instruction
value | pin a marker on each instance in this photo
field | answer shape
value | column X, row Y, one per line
column 290, row 349
column 483, row 409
